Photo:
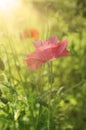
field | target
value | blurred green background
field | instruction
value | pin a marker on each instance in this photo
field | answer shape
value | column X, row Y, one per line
column 27, row 101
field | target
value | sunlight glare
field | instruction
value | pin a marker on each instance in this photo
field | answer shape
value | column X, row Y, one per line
column 8, row 5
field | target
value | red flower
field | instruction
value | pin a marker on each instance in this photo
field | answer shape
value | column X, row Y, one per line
column 45, row 51
column 34, row 33
column 30, row 33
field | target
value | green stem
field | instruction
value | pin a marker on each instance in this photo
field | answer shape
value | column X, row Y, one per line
column 51, row 78
column 8, row 61
column 15, row 59
column 51, row 85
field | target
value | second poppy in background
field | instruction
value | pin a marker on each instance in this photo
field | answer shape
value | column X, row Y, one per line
column 29, row 33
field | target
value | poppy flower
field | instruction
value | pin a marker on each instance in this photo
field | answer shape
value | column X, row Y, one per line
column 46, row 50
column 30, row 33
column 34, row 33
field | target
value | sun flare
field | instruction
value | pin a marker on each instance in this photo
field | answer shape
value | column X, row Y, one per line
column 8, row 5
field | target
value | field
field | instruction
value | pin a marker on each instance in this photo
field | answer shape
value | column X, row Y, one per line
column 50, row 92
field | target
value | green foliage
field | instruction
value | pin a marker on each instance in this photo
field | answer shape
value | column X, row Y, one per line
column 2, row 67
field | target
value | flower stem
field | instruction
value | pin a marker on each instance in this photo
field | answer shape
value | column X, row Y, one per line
column 51, row 85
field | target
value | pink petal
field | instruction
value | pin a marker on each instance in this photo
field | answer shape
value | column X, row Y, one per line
column 33, row 63
column 43, row 54
column 46, row 54
column 52, row 40
column 35, row 59
column 59, row 49
column 38, row 43
column 61, row 46
column 64, row 53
